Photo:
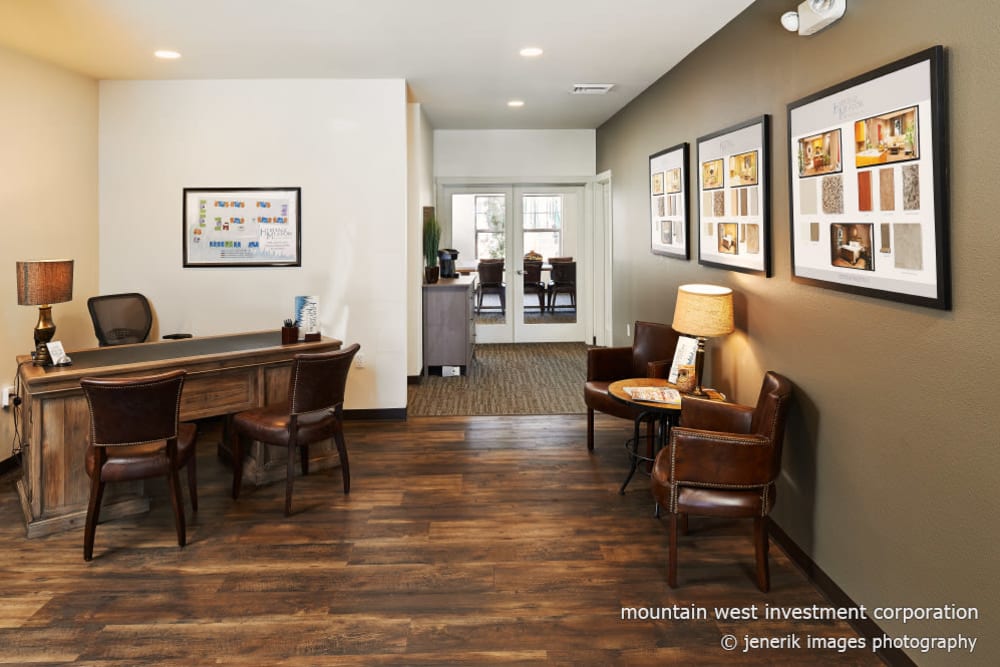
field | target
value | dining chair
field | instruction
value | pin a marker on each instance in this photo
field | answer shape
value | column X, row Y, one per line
column 135, row 434
column 723, row 461
column 533, row 281
column 563, row 281
column 491, row 282
column 313, row 411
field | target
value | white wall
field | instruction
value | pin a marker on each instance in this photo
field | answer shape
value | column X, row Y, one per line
column 420, row 193
column 48, row 195
column 342, row 141
column 514, row 154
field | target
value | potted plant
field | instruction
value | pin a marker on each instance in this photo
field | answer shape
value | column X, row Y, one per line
column 432, row 234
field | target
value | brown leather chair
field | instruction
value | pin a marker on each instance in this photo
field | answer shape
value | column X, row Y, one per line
column 135, row 434
column 533, row 281
column 491, row 282
column 314, row 411
column 651, row 354
column 723, row 461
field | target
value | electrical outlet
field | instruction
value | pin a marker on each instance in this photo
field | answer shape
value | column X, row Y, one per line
column 359, row 360
column 628, row 330
column 5, row 393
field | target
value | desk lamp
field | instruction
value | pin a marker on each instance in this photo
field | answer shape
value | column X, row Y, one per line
column 42, row 283
column 703, row 311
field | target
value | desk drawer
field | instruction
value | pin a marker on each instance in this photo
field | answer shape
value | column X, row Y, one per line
column 219, row 393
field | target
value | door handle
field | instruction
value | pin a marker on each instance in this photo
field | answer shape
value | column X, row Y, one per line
column 520, row 272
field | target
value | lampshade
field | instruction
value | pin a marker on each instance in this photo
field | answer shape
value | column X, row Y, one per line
column 703, row 310
column 44, row 282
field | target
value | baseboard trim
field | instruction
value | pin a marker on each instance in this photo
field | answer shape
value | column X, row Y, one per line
column 893, row 657
column 384, row 414
column 10, row 464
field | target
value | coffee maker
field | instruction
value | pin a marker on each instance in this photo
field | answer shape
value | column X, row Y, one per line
column 447, row 258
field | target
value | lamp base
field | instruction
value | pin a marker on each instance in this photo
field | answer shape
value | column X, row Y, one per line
column 44, row 332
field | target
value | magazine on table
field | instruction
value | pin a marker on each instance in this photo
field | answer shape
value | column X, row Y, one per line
column 654, row 394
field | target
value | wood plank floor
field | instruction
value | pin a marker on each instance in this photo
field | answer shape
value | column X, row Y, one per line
column 465, row 540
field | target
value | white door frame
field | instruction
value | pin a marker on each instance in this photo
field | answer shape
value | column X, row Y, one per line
column 599, row 226
column 602, row 328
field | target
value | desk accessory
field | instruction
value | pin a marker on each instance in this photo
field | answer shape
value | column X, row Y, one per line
column 289, row 332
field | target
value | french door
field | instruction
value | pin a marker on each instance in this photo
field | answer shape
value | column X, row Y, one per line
column 507, row 222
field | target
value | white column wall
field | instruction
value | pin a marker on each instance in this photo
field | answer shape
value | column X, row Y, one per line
column 344, row 142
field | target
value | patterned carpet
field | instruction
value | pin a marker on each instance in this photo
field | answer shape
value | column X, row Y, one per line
column 519, row 379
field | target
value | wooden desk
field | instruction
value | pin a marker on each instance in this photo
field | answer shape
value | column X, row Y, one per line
column 226, row 374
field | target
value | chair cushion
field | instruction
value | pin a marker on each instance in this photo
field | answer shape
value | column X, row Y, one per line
column 129, row 462
column 270, row 424
column 715, row 502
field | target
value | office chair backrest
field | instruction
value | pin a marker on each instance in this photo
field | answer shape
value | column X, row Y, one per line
column 120, row 319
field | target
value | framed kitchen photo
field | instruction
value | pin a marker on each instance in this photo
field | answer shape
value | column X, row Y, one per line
column 868, row 189
column 228, row 227
column 734, row 195
column 668, row 202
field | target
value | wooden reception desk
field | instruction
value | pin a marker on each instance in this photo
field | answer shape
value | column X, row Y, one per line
column 225, row 374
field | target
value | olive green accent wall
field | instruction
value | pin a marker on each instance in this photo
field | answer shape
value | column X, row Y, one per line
column 893, row 451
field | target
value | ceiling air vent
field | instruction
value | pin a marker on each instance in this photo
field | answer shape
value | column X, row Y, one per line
column 591, row 88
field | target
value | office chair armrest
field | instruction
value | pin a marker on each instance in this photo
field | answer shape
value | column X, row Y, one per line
column 705, row 414
column 609, row 363
column 716, row 458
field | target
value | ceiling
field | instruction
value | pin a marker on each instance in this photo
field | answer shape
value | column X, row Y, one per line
column 459, row 57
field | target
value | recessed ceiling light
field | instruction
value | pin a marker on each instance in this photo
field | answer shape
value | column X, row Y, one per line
column 515, row 103
column 164, row 54
column 531, row 52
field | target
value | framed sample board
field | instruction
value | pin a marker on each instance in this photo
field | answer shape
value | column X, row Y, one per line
column 734, row 186
column 868, row 186
column 242, row 227
column 668, row 201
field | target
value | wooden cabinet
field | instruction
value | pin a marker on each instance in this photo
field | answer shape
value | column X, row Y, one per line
column 449, row 322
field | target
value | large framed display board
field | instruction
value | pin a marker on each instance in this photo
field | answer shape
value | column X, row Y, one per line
column 868, row 184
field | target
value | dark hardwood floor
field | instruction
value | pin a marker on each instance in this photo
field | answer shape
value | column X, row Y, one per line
column 465, row 540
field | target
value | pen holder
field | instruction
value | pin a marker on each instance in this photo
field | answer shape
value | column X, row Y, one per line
column 289, row 335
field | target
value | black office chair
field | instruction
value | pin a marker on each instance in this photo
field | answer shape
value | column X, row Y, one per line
column 120, row 319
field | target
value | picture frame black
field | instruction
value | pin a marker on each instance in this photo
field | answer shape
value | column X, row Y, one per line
column 879, row 225
column 734, row 197
column 242, row 227
column 669, row 204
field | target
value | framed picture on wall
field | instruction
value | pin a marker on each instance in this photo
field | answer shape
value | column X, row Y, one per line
column 668, row 202
column 734, row 194
column 869, row 197
column 226, row 227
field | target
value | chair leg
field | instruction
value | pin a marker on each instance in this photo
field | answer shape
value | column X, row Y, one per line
column 345, row 466
column 590, row 430
column 304, row 449
column 177, row 500
column 672, row 553
column 93, row 514
column 290, row 474
column 479, row 303
column 503, row 302
column 761, row 548
column 237, row 443
column 192, row 474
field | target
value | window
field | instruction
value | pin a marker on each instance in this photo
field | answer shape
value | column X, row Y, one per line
column 542, row 224
column 490, row 216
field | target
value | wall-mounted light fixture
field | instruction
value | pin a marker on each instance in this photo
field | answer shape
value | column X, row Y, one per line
column 813, row 16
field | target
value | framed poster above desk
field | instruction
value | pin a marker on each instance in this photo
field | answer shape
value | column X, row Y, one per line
column 242, row 227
